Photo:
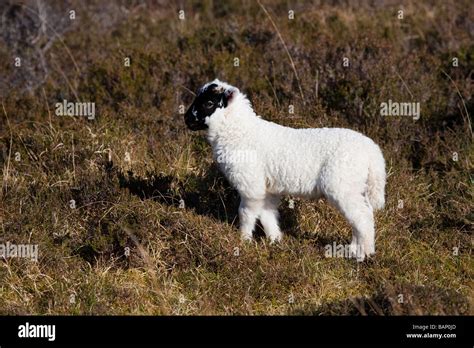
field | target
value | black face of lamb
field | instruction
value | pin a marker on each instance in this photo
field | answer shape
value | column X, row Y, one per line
column 206, row 102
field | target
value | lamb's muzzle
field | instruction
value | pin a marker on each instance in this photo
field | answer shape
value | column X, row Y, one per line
column 342, row 165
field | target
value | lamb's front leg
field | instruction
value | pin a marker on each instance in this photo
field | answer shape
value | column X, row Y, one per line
column 249, row 211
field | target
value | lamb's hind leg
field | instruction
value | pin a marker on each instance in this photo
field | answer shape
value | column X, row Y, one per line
column 357, row 210
column 269, row 218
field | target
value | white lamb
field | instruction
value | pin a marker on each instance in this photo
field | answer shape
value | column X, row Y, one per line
column 342, row 165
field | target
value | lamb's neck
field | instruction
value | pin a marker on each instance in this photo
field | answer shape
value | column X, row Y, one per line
column 231, row 131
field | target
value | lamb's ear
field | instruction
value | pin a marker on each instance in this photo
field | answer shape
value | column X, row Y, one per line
column 229, row 95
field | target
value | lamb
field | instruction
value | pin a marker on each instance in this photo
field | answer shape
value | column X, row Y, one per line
column 344, row 166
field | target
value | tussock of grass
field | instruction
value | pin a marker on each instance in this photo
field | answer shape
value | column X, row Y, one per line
column 189, row 259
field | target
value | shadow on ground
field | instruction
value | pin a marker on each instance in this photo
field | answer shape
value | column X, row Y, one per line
column 210, row 196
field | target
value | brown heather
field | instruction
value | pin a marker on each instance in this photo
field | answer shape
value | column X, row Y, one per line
column 183, row 260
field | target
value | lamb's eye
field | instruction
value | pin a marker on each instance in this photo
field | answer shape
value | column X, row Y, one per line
column 209, row 104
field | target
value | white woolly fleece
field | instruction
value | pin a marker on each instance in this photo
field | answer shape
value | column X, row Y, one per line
column 342, row 165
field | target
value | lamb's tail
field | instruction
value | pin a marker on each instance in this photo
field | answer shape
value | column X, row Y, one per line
column 376, row 180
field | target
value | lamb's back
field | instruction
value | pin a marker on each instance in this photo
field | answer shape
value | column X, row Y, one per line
column 293, row 158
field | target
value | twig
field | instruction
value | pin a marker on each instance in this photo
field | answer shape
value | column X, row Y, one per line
column 286, row 49
column 406, row 86
column 187, row 89
column 317, row 84
column 274, row 91
column 73, row 160
column 146, row 257
column 462, row 100
column 5, row 174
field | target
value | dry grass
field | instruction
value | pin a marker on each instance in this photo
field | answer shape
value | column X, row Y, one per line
column 190, row 260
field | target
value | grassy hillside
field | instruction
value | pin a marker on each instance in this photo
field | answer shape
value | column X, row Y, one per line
column 129, row 212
